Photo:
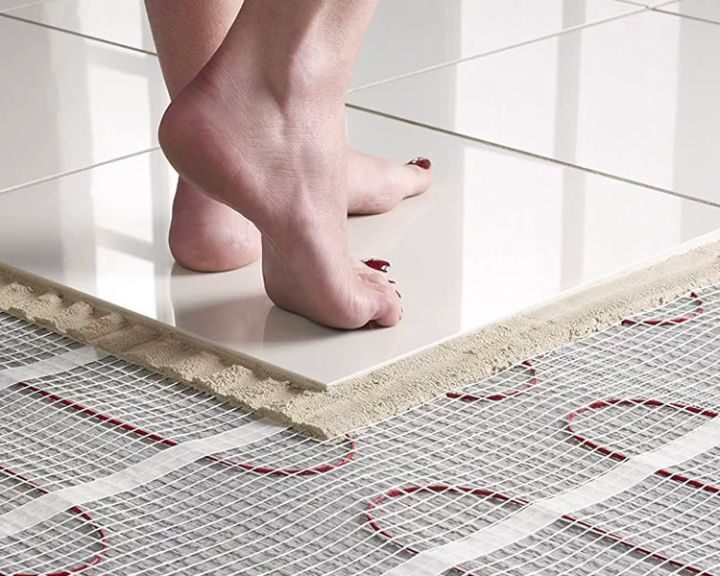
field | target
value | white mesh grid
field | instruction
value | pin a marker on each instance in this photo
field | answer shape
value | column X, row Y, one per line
column 368, row 504
column 22, row 344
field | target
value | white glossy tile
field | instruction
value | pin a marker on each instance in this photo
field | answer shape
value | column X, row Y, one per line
column 67, row 103
column 704, row 9
column 498, row 233
column 12, row 4
column 636, row 97
column 404, row 36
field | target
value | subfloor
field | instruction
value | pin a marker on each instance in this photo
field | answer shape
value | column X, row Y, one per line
column 598, row 458
column 571, row 139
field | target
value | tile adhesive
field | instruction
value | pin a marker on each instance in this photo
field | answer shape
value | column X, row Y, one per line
column 373, row 397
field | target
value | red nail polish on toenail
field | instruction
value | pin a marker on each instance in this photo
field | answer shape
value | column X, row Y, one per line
column 423, row 163
column 376, row 264
column 399, row 295
column 391, row 281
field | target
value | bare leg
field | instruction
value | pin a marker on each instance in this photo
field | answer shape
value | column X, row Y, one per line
column 206, row 235
column 261, row 129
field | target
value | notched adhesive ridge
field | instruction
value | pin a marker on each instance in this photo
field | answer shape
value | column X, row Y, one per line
column 378, row 395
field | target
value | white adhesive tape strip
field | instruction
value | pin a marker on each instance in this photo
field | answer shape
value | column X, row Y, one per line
column 542, row 513
column 55, row 365
column 156, row 466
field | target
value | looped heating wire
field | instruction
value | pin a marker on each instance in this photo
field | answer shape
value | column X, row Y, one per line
column 98, row 532
column 496, row 397
column 375, row 503
column 620, row 456
column 432, row 488
column 699, row 309
column 138, row 431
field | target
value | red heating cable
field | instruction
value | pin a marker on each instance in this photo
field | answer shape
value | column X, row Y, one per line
column 591, row 444
column 350, row 455
column 699, row 309
column 138, row 431
column 595, row 446
column 500, row 395
column 97, row 530
column 267, row 470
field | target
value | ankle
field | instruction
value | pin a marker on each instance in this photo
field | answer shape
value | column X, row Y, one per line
column 298, row 64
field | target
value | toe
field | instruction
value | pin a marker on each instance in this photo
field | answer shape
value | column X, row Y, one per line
column 417, row 176
column 387, row 305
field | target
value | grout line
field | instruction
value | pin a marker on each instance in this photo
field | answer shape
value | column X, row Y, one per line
column 638, row 10
column 648, row 5
column 663, row 3
column 410, row 122
column 11, row 16
column 688, row 16
column 76, row 170
column 21, row 6
column 534, row 155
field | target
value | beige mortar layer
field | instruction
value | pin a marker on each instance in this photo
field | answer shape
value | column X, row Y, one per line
column 373, row 397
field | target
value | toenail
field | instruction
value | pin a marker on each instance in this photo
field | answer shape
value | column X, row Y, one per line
column 398, row 293
column 391, row 281
column 423, row 163
column 376, row 264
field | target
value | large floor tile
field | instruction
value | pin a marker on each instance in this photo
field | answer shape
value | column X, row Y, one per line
column 705, row 9
column 497, row 233
column 405, row 35
column 67, row 102
column 636, row 97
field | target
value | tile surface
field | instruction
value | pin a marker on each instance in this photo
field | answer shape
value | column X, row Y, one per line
column 123, row 22
column 405, row 35
column 497, row 233
column 636, row 97
column 68, row 102
column 12, row 4
column 705, row 9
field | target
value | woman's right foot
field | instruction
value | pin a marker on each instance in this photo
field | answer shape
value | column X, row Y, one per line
column 282, row 163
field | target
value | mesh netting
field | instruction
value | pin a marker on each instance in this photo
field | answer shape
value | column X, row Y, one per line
column 370, row 503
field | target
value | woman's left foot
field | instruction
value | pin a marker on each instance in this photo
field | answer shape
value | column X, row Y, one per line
column 376, row 185
column 208, row 236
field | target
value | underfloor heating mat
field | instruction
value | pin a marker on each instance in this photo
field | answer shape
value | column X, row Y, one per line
column 599, row 457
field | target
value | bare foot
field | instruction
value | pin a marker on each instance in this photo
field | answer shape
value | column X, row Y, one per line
column 376, row 185
column 282, row 163
column 208, row 236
